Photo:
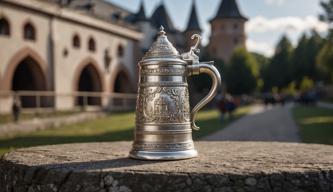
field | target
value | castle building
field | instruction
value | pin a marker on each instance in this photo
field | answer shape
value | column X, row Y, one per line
column 63, row 54
column 227, row 31
column 150, row 28
column 60, row 53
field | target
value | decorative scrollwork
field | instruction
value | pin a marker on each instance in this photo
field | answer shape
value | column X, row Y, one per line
column 163, row 71
column 163, row 105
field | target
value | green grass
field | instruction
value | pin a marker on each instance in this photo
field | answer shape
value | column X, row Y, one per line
column 328, row 100
column 27, row 116
column 315, row 124
column 116, row 127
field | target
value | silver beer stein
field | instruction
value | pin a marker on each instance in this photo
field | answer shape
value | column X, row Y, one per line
column 163, row 120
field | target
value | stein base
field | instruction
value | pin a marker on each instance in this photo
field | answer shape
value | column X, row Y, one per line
column 167, row 156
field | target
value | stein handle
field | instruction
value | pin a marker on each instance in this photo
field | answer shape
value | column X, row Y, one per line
column 211, row 70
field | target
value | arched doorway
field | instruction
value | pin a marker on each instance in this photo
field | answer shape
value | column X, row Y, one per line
column 122, row 83
column 28, row 76
column 89, row 81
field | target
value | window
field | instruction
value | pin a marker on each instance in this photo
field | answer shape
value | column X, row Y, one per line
column 76, row 41
column 29, row 31
column 120, row 51
column 4, row 27
column 235, row 26
column 116, row 16
column 91, row 44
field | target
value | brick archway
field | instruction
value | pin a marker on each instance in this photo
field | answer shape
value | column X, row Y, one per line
column 88, row 78
column 81, row 66
column 15, row 61
column 121, row 81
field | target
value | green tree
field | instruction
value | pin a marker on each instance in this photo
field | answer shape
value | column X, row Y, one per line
column 306, row 84
column 304, row 57
column 242, row 73
column 263, row 62
column 300, row 62
column 325, row 56
column 278, row 73
column 314, row 45
column 327, row 16
column 325, row 62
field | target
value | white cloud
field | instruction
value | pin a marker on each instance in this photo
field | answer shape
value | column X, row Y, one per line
column 260, row 47
column 264, row 32
column 275, row 2
column 261, row 24
column 206, row 34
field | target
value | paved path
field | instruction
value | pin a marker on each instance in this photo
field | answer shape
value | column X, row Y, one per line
column 272, row 124
column 325, row 105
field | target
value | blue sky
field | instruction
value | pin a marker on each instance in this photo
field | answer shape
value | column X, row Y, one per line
column 269, row 19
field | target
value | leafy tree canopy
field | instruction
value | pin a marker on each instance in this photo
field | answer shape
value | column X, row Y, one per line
column 278, row 73
column 241, row 73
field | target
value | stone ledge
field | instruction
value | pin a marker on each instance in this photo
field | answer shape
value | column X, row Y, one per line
column 221, row 166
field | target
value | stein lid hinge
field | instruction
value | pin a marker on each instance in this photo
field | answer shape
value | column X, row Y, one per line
column 191, row 57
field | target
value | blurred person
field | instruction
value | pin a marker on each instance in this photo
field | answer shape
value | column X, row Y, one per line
column 16, row 108
column 226, row 105
column 231, row 105
column 282, row 99
column 269, row 99
column 221, row 106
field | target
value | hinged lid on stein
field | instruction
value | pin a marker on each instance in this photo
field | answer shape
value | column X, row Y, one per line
column 163, row 120
column 162, row 50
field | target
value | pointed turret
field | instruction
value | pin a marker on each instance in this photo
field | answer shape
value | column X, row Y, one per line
column 193, row 23
column 141, row 14
column 229, row 9
column 227, row 31
column 161, row 17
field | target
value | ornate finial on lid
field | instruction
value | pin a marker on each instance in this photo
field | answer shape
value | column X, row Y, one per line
column 161, row 48
column 162, row 32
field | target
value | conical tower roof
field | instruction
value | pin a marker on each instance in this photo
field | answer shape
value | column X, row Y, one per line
column 141, row 14
column 229, row 9
column 193, row 23
column 160, row 17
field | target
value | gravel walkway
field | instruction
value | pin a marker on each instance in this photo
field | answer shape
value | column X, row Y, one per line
column 325, row 105
column 271, row 124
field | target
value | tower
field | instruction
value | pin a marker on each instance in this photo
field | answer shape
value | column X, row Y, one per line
column 140, row 16
column 193, row 27
column 228, row 30
column 142, row 22
column 161, row 17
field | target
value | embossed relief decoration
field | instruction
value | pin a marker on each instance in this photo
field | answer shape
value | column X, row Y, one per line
column 163, row 105
column 163, row 71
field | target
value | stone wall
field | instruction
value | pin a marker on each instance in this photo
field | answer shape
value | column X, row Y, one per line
column 221, row 166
